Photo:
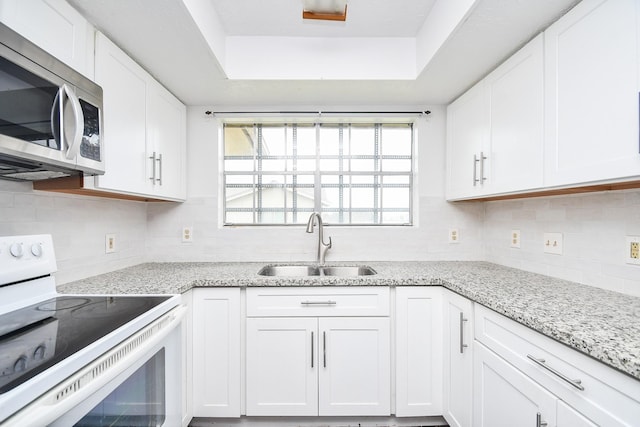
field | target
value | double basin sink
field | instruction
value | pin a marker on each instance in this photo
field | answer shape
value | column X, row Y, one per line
column 315, row 270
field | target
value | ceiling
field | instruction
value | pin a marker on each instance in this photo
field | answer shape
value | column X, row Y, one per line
column 177, row 45
column 365, row 18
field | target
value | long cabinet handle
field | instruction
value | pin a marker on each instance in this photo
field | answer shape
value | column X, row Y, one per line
column 541, row 362
column 160, row 167
column 329, row 302
column 482, row 159
column 312, row 349
column 539, row 422
column 462, row 344
column 475, row 170
column 324, row 349
column 153, row 159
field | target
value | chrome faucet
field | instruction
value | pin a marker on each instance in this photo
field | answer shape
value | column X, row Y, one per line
column 322, row 246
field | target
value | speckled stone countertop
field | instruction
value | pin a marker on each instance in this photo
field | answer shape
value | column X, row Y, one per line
column 602, row 324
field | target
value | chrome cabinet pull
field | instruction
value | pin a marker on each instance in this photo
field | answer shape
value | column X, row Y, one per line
column 541, row 362
column 475, row 170
column 462, row 344
column 328, row 302
column 324, row 349
column 482, row 159
column 159, row 169
column 312, row 349
column 153, row 160
column 539, row 422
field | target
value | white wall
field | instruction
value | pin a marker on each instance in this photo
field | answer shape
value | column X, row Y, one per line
column 425, row 241
column 594, row 227
column 78, row 225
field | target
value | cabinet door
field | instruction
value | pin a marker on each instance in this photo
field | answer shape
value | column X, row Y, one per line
column 515, row 90
column 125, row 91
column 216, row 352
column 282, row 366
column 166, row 143
column 54, row 26
column 592, row 79
column 355, row 367
column 467, row 134
column 458, row 360
column 504, row 396
column 418, row 347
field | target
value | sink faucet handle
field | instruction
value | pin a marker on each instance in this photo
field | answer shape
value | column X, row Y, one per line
column 329, row 245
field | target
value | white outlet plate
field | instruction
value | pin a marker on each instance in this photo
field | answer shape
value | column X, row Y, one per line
column 187, row 234
column 553, row 243
column 627, row 251
column 109, row 243
column 515, row 239
column 454, row 235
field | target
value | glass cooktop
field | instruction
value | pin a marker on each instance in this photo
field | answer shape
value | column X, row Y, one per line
column 37, row 337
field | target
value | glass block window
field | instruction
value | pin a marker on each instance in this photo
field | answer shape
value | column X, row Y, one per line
column 353, row 174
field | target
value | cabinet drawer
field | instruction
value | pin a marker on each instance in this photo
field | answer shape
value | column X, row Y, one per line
column 318, row 302
column 608, row 397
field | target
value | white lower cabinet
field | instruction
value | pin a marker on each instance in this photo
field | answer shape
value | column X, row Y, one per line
column 418, row 351
column 519, row 373
column 216, row 352
column 187, row 364
column 505, row 397
column 282, row 366
column 458, row 359
column 315, row 365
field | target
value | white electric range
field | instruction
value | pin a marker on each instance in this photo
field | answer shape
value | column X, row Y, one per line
column 82, row 360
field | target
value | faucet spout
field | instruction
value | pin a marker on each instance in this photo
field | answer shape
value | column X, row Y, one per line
column 322, row 246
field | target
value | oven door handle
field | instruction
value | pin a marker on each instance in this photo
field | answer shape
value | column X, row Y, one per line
column 72, row 391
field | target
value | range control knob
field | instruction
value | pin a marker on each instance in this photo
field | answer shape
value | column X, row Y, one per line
column 21, row 364
column 16, row 250
column 36, row 250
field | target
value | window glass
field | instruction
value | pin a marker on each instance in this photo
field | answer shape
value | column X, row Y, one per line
column 353, row 174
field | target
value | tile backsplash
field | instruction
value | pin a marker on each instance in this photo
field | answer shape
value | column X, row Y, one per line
column 78, row 225
column 593, row 225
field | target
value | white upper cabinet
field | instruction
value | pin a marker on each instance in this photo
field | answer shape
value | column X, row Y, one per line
column 54, row 26
column 591, row 96
column 467, row 142
column 495, row 130
column 144, row 130
column 125, row 114
column 515, row 91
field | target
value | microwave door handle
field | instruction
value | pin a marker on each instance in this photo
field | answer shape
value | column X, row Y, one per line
column 76, row 127
column 56, row 124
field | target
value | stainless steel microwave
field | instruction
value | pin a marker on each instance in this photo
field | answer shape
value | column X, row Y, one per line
column 50, row 115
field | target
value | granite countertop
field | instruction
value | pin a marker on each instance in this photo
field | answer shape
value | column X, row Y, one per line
column 602, row 324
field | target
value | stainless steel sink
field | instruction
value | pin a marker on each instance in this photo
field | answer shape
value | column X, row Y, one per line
column 289, row 270
column 310, row 270
column 348, row 271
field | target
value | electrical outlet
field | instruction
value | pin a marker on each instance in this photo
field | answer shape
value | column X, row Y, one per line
column 515, row 239
column 454, row 236
column 632, row 250
column 109, row 243
column 187, row 234
column 553, row 243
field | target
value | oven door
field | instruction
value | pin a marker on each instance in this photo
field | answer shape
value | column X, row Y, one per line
column 137, row 383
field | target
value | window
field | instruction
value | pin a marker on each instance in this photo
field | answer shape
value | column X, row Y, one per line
column 353, row 174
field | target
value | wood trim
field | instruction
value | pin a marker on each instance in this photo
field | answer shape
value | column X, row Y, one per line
column 75, row 185
column 561, row 191
column 307, row 14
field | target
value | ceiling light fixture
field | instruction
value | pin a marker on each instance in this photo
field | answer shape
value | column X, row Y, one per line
column 327, row 10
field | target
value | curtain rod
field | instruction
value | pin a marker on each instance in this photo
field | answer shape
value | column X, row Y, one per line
column 213, row 113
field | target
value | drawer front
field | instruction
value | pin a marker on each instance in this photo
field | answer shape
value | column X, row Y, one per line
column 318, row 302
column 602, row 394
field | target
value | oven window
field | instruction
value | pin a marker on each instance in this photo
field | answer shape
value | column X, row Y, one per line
column 26, row 101
column 137, row 402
